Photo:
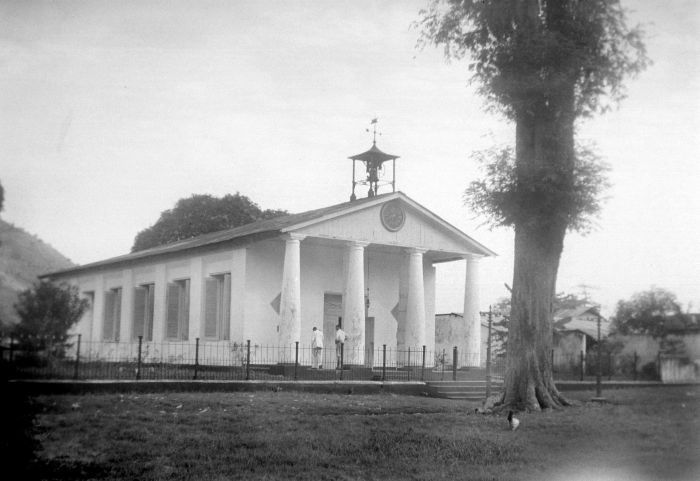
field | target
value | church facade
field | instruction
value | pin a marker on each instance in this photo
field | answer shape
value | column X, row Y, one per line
column 370, row 262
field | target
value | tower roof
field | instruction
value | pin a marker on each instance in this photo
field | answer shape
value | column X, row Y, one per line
column 374, row 155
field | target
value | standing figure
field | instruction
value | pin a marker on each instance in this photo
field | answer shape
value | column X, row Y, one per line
column 339, row 341
column 316, row 348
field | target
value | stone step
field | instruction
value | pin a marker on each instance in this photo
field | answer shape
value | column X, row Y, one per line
column 461, row 390
column 462, row 383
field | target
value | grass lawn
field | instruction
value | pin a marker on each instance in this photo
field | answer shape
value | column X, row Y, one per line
column 643, row 434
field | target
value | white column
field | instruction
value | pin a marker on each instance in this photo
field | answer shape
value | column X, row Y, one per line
column 472, row 318
column 401, row 314
column 415, row 300
column 238, row 275
column 98, row 309
column 159, row 300
column 429, row 282
column 196, row 327
column 127, row 308
column 290, row 300
column 354, row 304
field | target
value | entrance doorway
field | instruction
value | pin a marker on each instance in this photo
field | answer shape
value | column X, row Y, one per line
column 332, row 310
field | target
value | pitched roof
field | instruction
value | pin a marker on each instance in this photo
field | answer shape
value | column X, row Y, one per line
column 374, row 155
column 572, row 320
column 263, row 229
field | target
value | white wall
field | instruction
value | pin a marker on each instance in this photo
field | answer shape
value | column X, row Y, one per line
column 256, row 281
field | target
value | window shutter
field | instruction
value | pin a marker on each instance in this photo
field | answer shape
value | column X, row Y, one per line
column 173, row 302
column 108, row 325
column 139, row 312
column 150, row 307
column 117, row 312
column 185, row 310
column 211, row 307
column 225, row 332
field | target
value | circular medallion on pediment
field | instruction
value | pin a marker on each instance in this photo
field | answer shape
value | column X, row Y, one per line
column 392, row 216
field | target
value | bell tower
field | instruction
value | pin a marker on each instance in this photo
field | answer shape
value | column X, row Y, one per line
column 375, row 173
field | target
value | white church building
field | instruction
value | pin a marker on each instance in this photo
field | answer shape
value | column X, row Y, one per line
column 370, row 262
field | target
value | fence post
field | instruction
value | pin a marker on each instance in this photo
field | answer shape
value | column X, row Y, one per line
column 138, row 362
column 454, row 363
column 422, row 369
column 12, row 348
column 488, row 356
column 77, row 358
column 196, row 357
column 610, row 365
column 581, row 365
column 383, row 362
column 442, row 365
column 409, row 363
column 296, row 358
column 247, row 360
column 634, row 367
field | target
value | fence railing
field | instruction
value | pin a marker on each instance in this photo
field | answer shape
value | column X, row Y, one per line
column 224, row 360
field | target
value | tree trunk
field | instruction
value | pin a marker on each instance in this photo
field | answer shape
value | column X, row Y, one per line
column 529, row 383
column 544, row 166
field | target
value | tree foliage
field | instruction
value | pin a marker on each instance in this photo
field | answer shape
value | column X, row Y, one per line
column 653, row 312
column 525, row 51
column 47, row 311
column 200, row 214
column 504, row 198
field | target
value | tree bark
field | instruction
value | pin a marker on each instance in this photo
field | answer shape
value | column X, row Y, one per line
column 544, row 165
column 529, row 383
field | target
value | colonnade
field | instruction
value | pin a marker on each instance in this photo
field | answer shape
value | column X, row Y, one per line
column 354, row 300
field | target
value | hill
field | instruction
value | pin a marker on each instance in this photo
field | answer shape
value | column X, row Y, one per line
column 23, row 257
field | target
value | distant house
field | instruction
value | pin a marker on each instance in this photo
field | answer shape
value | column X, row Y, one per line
column 574, row 331
column 575, row 328
column 676, row 354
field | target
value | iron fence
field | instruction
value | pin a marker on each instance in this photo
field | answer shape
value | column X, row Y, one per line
column 583, row 366
column 224, row 360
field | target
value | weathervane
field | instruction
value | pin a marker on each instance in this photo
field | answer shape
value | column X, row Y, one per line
column 373, row 160
column 374, row 123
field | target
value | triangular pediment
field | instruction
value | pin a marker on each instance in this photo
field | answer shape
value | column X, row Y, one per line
column 393, row 220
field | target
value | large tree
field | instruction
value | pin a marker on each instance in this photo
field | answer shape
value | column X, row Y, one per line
column 653, row 312
column 543, row 64
column 200, row 214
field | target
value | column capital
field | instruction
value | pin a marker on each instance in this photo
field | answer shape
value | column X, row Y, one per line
column 293, row 236
column 472, row 257
column 357, row 243
column 415, row 250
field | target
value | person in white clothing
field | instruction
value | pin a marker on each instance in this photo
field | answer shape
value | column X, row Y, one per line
column 316, row 348
column 339, row 342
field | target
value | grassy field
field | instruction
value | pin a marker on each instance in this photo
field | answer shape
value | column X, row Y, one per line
column 642, row 434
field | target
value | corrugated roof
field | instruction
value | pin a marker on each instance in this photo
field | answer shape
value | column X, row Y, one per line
column 571, row 320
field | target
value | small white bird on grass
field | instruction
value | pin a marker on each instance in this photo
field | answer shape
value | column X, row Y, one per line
column 513, row 421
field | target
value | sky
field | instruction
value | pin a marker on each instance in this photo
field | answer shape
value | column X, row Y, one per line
column 112, row 111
